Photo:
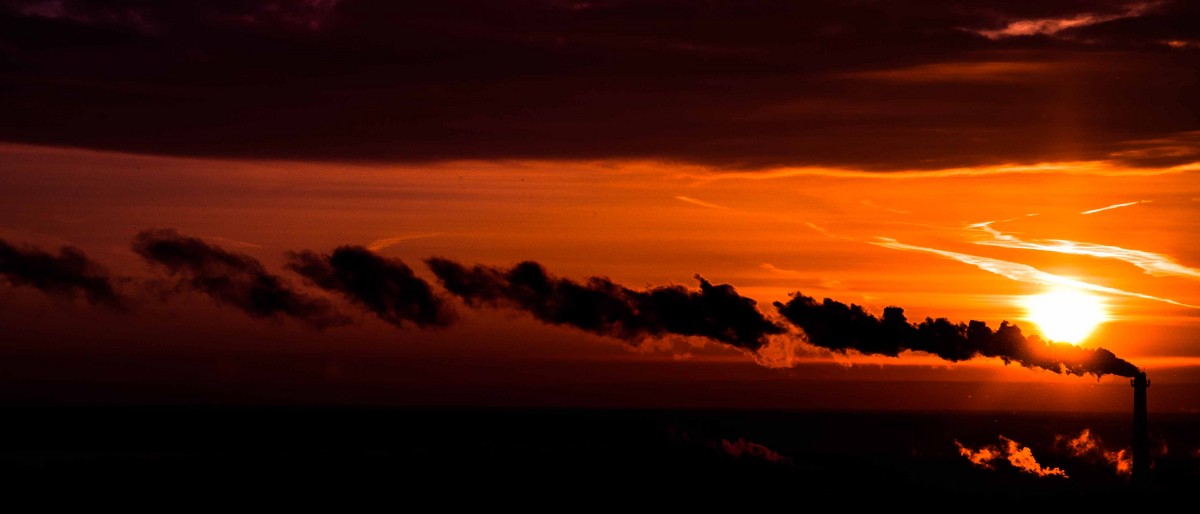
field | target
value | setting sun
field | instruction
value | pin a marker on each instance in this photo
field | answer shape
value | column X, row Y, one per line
column 1065, row 315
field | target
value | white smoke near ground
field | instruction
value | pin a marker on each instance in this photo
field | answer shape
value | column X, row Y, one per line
column 1019, row 457
column 1090, row 447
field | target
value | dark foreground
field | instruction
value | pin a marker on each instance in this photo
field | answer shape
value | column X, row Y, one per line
column 179, row 456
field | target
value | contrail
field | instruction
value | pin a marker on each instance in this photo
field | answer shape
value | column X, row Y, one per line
column 1114, row 206
column 1023, row 272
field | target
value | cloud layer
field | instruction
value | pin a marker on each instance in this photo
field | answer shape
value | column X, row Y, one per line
column 726, row 83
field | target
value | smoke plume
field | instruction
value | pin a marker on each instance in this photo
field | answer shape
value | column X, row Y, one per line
column 384, row 286
column 69, row 274
column 1019, row 457
column 233, row 279
column 842, row 328
column 600, row 306
column 1090, row 447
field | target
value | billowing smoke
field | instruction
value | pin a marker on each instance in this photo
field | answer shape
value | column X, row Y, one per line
column 600, row 306
column 233, row 279
column 841, row 328
column 69, row 274
column 386, row 287
column 1090, row 447
column 1019, row 457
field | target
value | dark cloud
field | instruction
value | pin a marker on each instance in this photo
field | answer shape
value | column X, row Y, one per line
column 384, row 286
column 836, row 326
column 728, row 83
column 232, row 279
column 600, row 306
column 70, row 273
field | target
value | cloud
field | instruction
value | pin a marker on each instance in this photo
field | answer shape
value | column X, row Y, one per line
column 1114, row 206
column 1054, row 25
column 1152, row 263
column 1023, row 272
column 69, row 274
column 715, row 312
column 1017, row 456
column 386, row 287
column 155, row 18
column 386, row 242
column 835, row 326
column 723, row 83
column 701, row 203
column 233, row 279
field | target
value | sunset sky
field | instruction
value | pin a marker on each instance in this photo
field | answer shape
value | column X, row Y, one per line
column 956, row 159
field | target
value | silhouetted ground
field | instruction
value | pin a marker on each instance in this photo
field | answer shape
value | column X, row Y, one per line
column 564, row 459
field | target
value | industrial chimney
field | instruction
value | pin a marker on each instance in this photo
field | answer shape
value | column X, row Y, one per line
column 1141, row 437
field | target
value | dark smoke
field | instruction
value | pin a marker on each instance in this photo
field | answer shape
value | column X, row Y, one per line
column 600, row 306
column 232, row 279
column 841, row 328
column 386, row 287
column 70, row 274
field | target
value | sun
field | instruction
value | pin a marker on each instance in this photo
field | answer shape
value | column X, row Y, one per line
column 1065, row 315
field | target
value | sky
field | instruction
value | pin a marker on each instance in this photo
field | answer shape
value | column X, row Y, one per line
column 599, row 204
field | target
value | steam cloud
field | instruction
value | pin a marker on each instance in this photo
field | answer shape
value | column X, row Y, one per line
column 69, row 274
column 1088, row 446
column 231, row 278
column 1019, row 457
column 600, row 306
column 838, row 327
column 386, row 287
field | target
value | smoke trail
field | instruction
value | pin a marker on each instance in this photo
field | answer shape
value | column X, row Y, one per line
column 232, row 279
column 1020, row 457
column 600, row 306
column 1087, row 446
column 841, row 328
column 384, row 286
column 69, row 274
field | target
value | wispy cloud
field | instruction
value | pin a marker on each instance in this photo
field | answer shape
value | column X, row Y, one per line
column 1103, row 168
column 380, row 244
column 1153, row 264
column 869, row 203
column 1051, row 26
column 985, row 71
column 1023, row 272
column 702, row 203
column 1115, row 206
column 232, row 242
column 810, row 281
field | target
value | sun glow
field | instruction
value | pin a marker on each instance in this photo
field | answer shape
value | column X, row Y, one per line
column 1066, row 315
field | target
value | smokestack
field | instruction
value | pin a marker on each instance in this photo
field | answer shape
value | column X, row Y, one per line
column 1141, row 437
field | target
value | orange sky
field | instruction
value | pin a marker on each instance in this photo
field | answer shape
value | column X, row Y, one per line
column 952, row 158
column 639, row 223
